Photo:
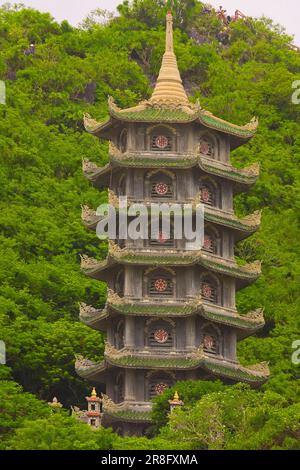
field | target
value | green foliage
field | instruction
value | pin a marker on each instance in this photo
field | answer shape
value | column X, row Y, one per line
column 60, row 432
column 15, row 407
column 189, row 391
column 237, row 418
column 42, row 142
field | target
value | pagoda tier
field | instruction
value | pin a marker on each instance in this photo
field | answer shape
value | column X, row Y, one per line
column 148, row 112
column 101, row 270
column 119, row 162
column 170, row 313
column 241, row 228
column 182, row 360
column 117, row 308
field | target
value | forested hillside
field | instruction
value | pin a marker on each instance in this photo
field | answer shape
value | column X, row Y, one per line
column 42, row 144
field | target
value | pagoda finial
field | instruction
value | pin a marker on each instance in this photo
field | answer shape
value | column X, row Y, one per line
column 94, row 393
column 176, row 402
column 169, row 32
column 169, row 90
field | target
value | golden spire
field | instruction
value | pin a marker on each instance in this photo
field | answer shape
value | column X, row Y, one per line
column 169, row 89
column 176, row 396
column 94, row 393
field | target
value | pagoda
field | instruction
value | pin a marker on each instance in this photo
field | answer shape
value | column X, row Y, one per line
column 170, row 313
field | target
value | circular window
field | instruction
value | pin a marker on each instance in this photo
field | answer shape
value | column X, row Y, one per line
column 206, row 291
column 160, row 388
column 161, row 336
column 161, row 188
column 204, row 147
column 160, row 285
column 162, row 237
column 161, row 141
column 208, row 342
column 205, row 194
column 207, row 244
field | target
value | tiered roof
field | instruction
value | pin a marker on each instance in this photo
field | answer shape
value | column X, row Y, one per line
column 242, row 228
column 170, row 104
column 131, row 359
column 247, row 273
column 115, row 305
column 241, row 178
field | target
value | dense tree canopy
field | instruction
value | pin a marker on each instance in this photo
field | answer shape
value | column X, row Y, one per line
column 42, row 143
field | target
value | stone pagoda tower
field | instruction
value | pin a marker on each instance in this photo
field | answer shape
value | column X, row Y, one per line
column 170, row 313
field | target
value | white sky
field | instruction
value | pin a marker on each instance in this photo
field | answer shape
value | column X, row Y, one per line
column 287, row 12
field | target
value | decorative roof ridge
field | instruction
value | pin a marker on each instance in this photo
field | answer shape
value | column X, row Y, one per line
column 86, row 368
column 252, row 220
column 82, row 363
column 250, row 126
column 252, row 320
column 87, row 262
column 92, row 125
column 115, row 353
column 193, row 110
column 114, row 299
column 110, row 406
column 91, row 170
column 220, row 212
column 89, row 167
column 252, row 268
column 251, row 170
column 89, row 216
column 87, row 311
column 255, row 316
column 259, row 371
column 145, row 112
